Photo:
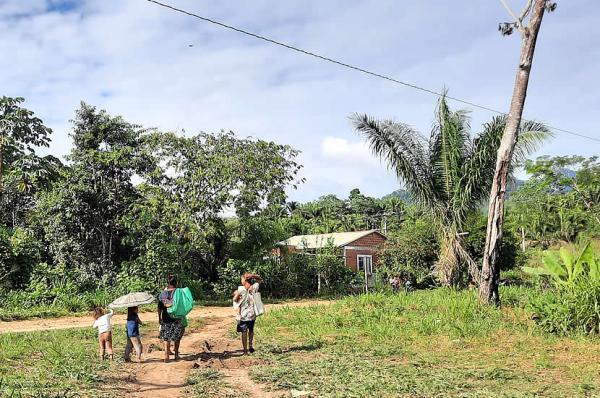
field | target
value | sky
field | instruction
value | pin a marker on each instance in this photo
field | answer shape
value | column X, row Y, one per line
column 166, row 70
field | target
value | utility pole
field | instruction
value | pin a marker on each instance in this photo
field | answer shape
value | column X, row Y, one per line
column 490, row 273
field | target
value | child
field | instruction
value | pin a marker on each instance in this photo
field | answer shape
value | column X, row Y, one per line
column 133, row 334
column 103, row 323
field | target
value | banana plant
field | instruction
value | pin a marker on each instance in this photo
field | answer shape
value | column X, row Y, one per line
column 564, row 268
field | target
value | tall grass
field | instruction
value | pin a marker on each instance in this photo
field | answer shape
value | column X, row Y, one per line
column 383, row 317
column 434, row 343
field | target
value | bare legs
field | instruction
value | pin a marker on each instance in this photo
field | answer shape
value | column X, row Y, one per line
column 102, row 349
column 177, row 349
column 247, row 340
column 134, row 343
column 168, row 352
column 105, row 343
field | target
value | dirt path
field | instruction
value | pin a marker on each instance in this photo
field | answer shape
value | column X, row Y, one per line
column 32, row 325
column 208, row 346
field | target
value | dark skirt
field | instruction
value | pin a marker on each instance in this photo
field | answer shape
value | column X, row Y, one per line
column 172, row 331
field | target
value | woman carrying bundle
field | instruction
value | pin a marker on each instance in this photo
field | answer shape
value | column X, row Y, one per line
column 171, row 328
column 243, row 297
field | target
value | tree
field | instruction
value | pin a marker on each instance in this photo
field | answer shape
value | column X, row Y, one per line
column 490, row 273
column 22, row 171
column 199, row 180
column 448, row 176
column 80, row 215
column 559, row 202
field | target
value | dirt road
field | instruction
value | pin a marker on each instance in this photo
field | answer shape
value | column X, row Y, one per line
column 208, row 346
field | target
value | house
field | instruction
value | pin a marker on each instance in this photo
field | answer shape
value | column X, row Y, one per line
column 358, row 248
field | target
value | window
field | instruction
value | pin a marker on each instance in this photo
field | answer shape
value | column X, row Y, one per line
column 365, row 263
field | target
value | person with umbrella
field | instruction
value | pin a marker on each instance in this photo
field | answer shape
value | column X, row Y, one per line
column 171, row 328
column 132, row 301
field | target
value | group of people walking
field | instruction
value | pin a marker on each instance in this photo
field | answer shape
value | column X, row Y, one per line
column 172, row 329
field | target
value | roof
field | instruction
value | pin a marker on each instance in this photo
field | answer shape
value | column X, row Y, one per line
column 318, row 241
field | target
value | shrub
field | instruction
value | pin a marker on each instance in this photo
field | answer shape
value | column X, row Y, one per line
column 411, row 253
column 573, row 305
column 569, row 310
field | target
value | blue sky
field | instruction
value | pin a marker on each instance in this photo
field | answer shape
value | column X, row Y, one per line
column 134, row 59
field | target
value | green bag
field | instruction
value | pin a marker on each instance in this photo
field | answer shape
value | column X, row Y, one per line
column 183, row 302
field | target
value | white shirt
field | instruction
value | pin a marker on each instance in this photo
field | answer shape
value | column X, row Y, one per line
column 247, row 303
column 104, row 323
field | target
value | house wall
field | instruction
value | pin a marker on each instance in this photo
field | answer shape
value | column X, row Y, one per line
column 367, row 245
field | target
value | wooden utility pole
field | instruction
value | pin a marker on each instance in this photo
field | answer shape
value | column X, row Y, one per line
column 490, row 273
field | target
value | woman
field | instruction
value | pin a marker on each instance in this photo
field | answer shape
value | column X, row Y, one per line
column 171, row 329
column 243, row 296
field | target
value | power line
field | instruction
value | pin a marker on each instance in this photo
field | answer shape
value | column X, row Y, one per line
column 356, row 68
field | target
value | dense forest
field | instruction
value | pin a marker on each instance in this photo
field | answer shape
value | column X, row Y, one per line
column 130, row 205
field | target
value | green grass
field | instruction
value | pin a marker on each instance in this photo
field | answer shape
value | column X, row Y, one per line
column 438, row 343
column 207, row 382
column 57, row 363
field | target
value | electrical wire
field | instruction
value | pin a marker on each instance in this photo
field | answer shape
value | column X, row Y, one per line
column 352, row 67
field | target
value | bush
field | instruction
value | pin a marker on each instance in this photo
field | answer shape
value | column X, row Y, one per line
column 411, row 253
column 569, row 310
column 573, row 305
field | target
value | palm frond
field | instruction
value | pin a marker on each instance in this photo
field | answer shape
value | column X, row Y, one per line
column 478, row 170
column 447, row 143
column 532, row 135
column 403, row 150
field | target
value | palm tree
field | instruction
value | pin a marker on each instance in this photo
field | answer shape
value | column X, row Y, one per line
column 450, row 175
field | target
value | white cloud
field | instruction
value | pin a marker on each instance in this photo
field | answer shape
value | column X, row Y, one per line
column 341, row 149
column 133, row 59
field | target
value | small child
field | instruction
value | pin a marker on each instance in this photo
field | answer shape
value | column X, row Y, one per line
column 103, row 321
column 133, row 334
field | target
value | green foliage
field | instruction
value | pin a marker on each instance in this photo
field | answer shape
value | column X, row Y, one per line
column 79, row 217
column 511, row 255
column 566, row 269
column 411, row 253
column 574, row 304
column 574, row 310
column 560, row 202
column 19, row 253
column 328, row 263
column 450, row 175
column 331, row 214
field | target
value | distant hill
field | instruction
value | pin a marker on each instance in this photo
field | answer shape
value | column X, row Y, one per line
column 399, row 193
column 405, row 196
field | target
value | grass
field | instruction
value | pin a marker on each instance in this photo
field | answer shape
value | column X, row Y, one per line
column 437, row 343
column 49, row 364
column 207, row 382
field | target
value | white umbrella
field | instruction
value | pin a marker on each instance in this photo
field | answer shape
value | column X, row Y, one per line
column 132, row 300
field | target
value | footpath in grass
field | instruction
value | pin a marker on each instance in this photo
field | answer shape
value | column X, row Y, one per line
column 424, row 344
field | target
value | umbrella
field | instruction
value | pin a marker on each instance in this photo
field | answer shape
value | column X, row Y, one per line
column 132, row 300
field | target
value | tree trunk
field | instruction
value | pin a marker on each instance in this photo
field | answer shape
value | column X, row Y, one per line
column 490, row 273
column 523, row 239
